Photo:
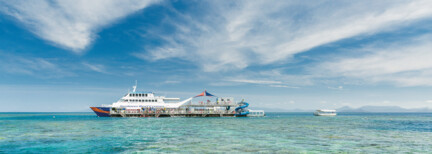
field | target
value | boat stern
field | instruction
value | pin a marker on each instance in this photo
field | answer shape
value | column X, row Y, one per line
column 101, row 111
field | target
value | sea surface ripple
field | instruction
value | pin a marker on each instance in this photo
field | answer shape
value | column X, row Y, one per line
column 275, row 133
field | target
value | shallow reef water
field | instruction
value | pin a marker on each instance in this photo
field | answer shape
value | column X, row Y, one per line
column 275, row 133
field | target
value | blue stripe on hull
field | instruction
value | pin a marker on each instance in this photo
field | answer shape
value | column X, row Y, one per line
column 101, row 111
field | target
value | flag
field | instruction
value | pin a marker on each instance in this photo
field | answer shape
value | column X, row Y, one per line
column 204, row 93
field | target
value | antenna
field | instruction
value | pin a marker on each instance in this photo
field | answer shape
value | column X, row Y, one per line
column 134, row 87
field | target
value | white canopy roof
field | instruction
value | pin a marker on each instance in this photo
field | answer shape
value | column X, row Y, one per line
column 326, row 110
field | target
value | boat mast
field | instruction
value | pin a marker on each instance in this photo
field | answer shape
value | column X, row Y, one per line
column 134, row 87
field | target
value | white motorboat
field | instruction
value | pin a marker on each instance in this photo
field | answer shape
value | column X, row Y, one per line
column 325, row 112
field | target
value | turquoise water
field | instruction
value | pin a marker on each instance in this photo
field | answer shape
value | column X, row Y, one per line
column 276, row 133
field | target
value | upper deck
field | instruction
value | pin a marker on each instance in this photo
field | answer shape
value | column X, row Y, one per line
column 147, row 97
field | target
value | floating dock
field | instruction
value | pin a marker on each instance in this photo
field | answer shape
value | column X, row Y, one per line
column 210, row 110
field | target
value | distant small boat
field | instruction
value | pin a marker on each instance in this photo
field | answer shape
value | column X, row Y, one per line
column 324, row 112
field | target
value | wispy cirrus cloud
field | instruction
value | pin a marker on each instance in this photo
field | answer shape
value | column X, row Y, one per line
column 401, row 63
column 33, row 66
column 237, row 34
column 70, row 24
column 273, row 78
column 255, row 81
column 95, row 67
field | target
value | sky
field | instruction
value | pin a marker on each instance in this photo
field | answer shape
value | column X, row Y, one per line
column 68, row 55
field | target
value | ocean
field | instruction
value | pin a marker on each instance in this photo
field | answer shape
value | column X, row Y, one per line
column 275, row 133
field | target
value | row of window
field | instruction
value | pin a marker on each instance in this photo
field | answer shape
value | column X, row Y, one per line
column 139, row 100
column 257, row 113
column 138, row 95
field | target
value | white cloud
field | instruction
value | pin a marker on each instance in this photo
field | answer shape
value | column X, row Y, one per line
column 237, row 34
column 402, row 64
column 171, row 82
column 39, row 67
column 255, row 81
column 95, row 67
column 270, row 83
column 71, row 24
column 282, row 86
column 429, row 101
column 336, row 88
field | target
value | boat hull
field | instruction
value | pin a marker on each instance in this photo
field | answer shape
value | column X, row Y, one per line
column 102, row 111
column 325, row 114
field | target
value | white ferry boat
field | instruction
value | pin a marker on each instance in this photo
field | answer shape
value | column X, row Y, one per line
column 325, row 112
column 146, row 104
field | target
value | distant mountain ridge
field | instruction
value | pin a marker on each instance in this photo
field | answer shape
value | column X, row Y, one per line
column 368, row 108
column 382, row 109
column 280, row 109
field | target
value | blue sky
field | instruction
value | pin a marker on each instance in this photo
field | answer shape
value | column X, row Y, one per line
column 71, row 54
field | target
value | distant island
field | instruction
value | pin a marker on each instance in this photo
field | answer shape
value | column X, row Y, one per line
column 382, row 109
column 360, row 109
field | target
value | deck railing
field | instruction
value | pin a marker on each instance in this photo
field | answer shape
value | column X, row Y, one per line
column 170, row 111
